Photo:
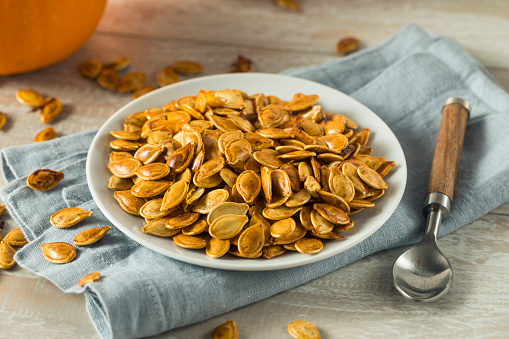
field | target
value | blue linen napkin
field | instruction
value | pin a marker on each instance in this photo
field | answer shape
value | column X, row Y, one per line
column 141, row 293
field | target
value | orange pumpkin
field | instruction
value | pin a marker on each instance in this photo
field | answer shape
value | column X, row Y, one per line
column 35, row 34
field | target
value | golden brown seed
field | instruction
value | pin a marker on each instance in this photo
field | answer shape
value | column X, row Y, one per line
column 46, row 134
column 350, row 170
column 181, row 158
column 51, row 108
column 299, row 103
column 268, row 158
column 297, row 234
column 3, row 119
column 142, row 91
column 282, row 228
column 189, row 241
column 109, row 79
column 132, row 82
column 148, row 153
column 182, row 220
column 299, row 198
column 227, row 207
column 309, row 245
column 118, row 64
column 58, row 252
column 258, row 142
column 280, row 213
column 44, row 179
column 29, row 97
column 120, row 184
column 68, row 217
column 227, row 226
column 371, row 177
column 292, row 5
column 187, row 67
column 196, row 228
column 385, row 167
column 251, row 240
column 128, row 202
column 340, row 185
column 320, row 225
column 166, row 76
column 152, row 209
column 237, row 150
column 124, row 145
column 175, row 195
column 249, row 185
column 6, row 255
column 333, row 200
column 90, row 68
column 149, row 188
column 15, row 238
column 90, row 236
column 124, row 168
column 332, row 213
column 217, row 247
column 153, row 171
column 301, row 329
column 210, row 200
column 158, row 228
column 271, row 251
column 124, row 135
column 228, row 330
column 242, row 65
column 116, row 156
column 347, row 45
column 2, row 209
column 211, row 167
column 89, row 278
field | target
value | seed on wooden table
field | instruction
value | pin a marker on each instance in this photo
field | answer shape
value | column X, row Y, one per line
column 29, row 97
column 3, row 119
column 90, row 236
column 58, row 252
column 108, row 79
column 187, row 67
column 228, row 330
column 347, row 45
column 51, row 108
column 90, row 68
column 166, row 76
column 132, row 82
column 68, row 217
column 301, row 329
column 6, row 255
column 88, row 278
column 118, row 64
column 46, row 134
column 142, row 91
column 44, row 179
column 242, row 65
column 15, row 238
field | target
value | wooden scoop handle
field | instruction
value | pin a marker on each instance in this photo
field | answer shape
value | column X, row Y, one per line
column 444, row 169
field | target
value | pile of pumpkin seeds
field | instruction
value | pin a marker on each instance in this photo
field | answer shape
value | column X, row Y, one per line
column 249, row 175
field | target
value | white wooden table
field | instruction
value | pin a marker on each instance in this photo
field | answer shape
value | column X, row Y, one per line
column 356, row 301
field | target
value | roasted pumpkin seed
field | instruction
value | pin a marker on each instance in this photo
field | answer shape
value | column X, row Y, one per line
column 90, row 236
column 6, row 255
column 228, row 330
column 44, row 179
column 89, row 278
column 58, row 252
column 44, row 135
column 68, row 217
column 29, row 97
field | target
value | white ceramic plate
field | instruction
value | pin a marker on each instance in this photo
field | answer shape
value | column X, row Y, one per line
column 383, row 141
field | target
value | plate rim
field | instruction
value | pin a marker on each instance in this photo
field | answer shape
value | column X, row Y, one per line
column 240, row 263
